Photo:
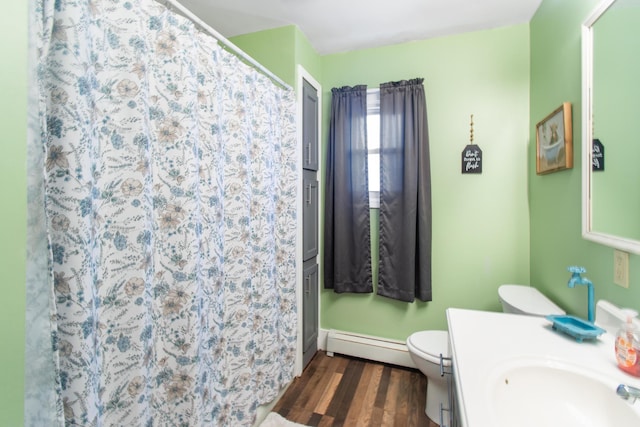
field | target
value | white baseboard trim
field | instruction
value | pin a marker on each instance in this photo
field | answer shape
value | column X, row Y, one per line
column 365, row 346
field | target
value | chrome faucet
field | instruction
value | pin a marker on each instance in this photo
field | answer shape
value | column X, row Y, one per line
column 628, row 393
column 577, row 279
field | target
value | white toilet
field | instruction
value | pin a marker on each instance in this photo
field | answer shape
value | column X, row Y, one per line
column 425, row 348
column 521, row 299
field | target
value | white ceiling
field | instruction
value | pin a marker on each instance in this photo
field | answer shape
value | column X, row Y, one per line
column 334, row 26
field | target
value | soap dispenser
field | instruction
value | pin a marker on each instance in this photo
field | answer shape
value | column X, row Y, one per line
column 628, row 345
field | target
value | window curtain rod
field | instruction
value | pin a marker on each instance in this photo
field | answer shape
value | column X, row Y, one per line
column 222, row 39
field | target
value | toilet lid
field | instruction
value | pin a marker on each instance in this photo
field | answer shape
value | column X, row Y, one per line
column 528, row 300
column 431, row 344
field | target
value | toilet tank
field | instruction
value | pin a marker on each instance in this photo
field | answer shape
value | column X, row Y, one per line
column 522, row 299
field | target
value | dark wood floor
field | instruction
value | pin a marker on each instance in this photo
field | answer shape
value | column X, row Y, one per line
column 345, row 391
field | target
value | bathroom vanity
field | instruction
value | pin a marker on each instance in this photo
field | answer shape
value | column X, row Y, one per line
column 515, row 370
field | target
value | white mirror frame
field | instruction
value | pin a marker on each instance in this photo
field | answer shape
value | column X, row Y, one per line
column 618, row 242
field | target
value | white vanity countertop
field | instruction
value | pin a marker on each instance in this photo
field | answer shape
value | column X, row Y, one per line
column 482, row 342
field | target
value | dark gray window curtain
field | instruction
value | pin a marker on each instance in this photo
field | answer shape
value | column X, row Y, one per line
column 347, row 238
column 405, row 193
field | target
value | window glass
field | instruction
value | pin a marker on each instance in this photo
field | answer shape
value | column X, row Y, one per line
column 373, row 146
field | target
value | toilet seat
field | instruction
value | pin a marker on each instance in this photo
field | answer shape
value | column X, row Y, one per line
column 429, row 345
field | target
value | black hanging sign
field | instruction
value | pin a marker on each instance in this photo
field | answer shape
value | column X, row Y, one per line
column 472, row 159
column 597, row 156
column 471, row 155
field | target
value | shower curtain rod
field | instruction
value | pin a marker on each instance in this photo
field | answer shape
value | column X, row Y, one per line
column 222, row 39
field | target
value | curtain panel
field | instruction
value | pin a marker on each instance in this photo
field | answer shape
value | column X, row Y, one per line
column 162, row 206
column 405, row 193
column 347, row 233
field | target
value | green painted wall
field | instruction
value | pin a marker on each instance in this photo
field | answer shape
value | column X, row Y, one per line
column 275, row 49
column 480, row 222
column 555, row 199
column 307, row 56
column 509, row 224
column 280, row 50
column 13, row 122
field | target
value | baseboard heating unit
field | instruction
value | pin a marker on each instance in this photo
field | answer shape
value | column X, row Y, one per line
column 369, row 347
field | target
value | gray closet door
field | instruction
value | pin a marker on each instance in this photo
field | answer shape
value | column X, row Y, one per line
column 310, row 312
column 309, row 126
column 310, row 200
column 309, row 215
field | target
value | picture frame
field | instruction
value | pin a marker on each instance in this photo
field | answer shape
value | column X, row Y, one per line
column 554, row 141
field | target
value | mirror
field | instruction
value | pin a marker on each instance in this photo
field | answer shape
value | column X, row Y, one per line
column 610, row 108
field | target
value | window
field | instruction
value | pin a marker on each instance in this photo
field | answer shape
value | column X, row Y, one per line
column 373, row 146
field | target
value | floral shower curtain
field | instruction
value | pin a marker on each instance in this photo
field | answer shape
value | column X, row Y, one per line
column 162, row 188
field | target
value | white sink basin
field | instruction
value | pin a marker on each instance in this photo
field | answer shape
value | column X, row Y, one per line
column 550, row 393
column 516, row 371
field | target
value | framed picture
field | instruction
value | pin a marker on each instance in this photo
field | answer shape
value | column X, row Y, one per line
column 554, row 141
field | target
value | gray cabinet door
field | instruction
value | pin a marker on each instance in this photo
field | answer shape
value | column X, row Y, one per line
column 310, row 312
column 309, row 215
column 309, row 126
